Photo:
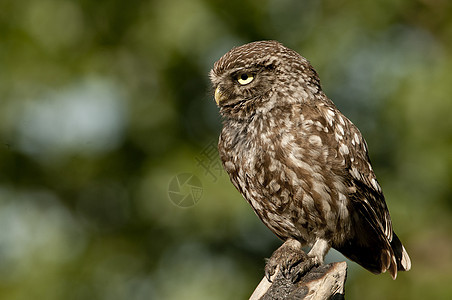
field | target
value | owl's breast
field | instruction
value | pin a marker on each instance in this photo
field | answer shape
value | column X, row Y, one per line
column 283, row 172
column 254, row 159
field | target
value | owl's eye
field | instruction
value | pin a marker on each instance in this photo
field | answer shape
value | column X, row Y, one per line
column 245, row 78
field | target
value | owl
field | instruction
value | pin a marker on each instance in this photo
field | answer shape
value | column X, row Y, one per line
column 300, row 163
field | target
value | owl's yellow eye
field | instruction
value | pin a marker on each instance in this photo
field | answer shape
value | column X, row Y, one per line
column 245, row 78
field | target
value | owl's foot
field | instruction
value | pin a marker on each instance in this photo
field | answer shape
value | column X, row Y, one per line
column 293, row 262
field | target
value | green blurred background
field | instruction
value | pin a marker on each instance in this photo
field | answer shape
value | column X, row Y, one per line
column 106, row 104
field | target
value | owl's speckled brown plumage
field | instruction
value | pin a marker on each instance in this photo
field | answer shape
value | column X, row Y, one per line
column 300, row 163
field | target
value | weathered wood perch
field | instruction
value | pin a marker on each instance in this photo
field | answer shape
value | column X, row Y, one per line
column 324, row 282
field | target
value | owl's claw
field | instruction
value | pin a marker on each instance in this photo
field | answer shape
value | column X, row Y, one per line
column 303, row 267
column 270, row 270
column 293, row 262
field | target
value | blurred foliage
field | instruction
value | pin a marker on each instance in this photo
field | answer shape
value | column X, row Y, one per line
column 103, row 103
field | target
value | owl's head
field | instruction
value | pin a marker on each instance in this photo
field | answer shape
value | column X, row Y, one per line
column 258, row 76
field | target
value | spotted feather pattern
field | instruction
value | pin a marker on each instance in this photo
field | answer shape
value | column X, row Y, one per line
column 299, row 162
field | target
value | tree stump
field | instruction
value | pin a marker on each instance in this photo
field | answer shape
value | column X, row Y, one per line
column 323, row 282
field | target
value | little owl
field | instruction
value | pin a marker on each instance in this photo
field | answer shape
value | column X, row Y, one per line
column 300, row 163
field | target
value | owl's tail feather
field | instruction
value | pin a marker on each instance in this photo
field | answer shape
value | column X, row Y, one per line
column 402, row 258
column 396, row 258
column 377, row 255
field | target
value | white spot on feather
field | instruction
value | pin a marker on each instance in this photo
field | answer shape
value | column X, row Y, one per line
column 341, row 129
column 330, row 116
column 354, row 172
column 272, row 122
column 286, row 139
column 338, row 136
column 274, row 186
column 315, row 140
column 343, row 149
column 356, row 138
column 375, row 185
column 229, row 166
column 405, row 261
column 343, row 211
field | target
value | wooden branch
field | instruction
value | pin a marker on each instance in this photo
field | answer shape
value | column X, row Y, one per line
column 324, row 282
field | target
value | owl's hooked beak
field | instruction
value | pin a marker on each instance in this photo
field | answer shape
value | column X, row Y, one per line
column 218, row 95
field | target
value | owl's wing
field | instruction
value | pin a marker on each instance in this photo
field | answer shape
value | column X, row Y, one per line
column 373, row 243
column 365, row 192
column 351, row 160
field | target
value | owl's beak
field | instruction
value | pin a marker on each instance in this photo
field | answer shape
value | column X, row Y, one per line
column 218, row 95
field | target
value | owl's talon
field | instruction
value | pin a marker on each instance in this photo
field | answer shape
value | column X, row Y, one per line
column 269, row 271
column 303, row 267
column 293, row 262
